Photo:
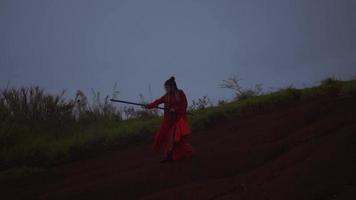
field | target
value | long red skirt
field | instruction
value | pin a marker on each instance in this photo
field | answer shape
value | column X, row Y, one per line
column 176, row 134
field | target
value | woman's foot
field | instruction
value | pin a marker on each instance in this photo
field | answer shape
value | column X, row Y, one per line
column 167, row 159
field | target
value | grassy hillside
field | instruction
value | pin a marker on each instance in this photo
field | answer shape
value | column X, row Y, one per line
column 30, row 149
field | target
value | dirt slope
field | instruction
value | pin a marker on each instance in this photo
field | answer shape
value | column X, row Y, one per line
column 303, row 150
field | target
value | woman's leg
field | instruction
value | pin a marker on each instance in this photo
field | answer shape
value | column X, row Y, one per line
column 169, row 146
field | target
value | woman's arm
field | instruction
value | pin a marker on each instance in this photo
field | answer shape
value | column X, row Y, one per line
column 156, row 102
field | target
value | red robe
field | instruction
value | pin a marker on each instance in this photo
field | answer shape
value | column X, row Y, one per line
column 174, row 129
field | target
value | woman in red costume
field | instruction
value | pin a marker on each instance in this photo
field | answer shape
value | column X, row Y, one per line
column 172, row 136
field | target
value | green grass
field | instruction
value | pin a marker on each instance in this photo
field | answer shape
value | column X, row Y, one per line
column 41, row 148
column 47, row 147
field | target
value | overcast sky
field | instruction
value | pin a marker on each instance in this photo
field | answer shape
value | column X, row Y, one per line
column 84, row 44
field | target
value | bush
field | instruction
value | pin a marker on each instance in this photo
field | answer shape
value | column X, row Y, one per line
column 27, row 110
column 132, row 113
column 98, row 111
column 201, row 103
column 31, row 106
column 329, row 81
column 241, row 93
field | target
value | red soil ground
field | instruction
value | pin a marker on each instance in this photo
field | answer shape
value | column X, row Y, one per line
column 302, row 150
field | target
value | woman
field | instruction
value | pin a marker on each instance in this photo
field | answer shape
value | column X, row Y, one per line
column 174, row 130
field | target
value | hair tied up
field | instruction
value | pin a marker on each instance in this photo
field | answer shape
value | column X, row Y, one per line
column 171, row 82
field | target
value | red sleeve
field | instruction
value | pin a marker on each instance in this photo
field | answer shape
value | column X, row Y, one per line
column 156, row 102
column 181, row 107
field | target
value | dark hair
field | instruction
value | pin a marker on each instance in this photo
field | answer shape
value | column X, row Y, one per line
column 171, row 82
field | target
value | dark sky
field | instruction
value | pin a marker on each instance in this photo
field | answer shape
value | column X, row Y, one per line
column 84, row 44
